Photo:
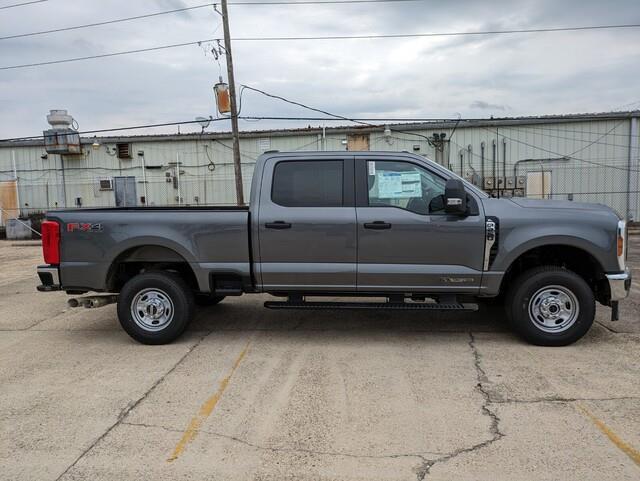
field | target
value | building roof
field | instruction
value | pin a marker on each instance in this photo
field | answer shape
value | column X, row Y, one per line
column 373, row 127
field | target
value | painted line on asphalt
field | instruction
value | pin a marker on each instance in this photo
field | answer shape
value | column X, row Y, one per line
column 206, row 409
column 626, row 448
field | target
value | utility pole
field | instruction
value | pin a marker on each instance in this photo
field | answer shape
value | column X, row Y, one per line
column 234, row 110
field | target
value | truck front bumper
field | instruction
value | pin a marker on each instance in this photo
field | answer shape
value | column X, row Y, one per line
column 50, row 278
column 619, row 285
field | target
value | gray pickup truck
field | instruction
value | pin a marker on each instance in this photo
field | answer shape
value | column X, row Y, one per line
column 379, row 230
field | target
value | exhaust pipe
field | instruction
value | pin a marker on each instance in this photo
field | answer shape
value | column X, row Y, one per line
column 91, row 302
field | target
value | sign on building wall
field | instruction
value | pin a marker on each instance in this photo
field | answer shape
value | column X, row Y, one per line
column 357, row 142
column 8, row 201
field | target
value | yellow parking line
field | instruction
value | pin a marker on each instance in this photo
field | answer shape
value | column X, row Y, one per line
column 627, row 449
column 205, row 410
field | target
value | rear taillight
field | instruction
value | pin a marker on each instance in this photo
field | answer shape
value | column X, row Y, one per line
column 51, row 242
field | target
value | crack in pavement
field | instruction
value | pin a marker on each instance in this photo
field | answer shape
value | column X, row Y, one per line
column 611, row 330
column 423, row 470
column 132, row 405
column 559, row 399
column 421, row 455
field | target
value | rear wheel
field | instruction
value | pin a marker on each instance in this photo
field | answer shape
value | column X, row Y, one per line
column 155, row 307
column 550, row 306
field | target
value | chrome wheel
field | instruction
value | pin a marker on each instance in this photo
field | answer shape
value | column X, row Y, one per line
column 152, row 309
column 554, row 309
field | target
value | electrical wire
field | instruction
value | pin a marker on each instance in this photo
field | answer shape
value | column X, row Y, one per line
column 22, row 4
column 535, row 128
column 551, row 118
column 333, row 37
column 439, row 34
column 115, row 129
column 341, row 117
column 292, row 102
column 319, row 2
column 571, row 156
column 532, row 131
column 106, row 22
column 597, row 164
column 105, row 55
column 381, row 121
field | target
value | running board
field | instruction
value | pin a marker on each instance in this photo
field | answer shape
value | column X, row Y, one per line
column 401, row 306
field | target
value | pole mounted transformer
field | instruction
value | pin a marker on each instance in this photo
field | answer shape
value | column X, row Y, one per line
column 232, row 104
column 223, row 101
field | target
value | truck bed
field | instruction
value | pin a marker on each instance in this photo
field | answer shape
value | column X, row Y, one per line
column 211, row 239
column 155, row 208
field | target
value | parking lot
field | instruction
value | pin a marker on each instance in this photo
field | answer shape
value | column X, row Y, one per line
column 249, row 393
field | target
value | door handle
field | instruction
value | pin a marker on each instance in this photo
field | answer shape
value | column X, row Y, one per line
column 378, row 225
column 279, row 224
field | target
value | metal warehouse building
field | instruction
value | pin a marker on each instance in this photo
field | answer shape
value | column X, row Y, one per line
column 590, row 158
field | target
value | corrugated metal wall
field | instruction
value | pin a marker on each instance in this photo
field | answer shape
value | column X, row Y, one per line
column 596, row 170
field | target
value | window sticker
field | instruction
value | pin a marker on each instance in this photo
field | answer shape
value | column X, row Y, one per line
column 398, row 185
column 411, row 184
column 372, row 167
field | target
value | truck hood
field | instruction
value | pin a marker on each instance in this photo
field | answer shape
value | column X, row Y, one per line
column 565, row 211
column 561, row 204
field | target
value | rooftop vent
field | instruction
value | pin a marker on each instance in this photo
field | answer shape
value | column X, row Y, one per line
column 124, row 151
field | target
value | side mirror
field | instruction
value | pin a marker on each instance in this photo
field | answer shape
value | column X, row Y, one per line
column 455, row 197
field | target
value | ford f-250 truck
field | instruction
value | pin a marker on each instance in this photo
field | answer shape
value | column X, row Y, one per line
column 368, row 225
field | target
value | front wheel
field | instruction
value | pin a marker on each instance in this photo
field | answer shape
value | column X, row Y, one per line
column 155, row 307
column 550, row 306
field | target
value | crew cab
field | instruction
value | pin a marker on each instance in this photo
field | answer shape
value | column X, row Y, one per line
column 394, row 229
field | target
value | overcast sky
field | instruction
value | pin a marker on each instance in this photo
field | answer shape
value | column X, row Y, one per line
column 500, row 75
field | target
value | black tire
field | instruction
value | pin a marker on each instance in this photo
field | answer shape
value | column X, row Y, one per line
column 205, row 300
column 529, row 316
column 155, row 292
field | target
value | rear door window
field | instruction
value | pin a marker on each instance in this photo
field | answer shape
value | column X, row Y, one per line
column 308, row 183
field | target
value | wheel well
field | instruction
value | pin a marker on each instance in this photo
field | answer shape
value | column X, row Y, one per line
column 569, row 257
column 146, row 258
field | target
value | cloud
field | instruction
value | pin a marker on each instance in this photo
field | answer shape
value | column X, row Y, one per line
column 434, row 77
column 482, row 105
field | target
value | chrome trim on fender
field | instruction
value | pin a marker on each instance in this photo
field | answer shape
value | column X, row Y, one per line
column 619, row 285
column 622, row 233
column 489, row 239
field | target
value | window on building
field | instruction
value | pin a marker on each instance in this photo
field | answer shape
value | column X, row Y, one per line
column 308, row 184
column 405, row 185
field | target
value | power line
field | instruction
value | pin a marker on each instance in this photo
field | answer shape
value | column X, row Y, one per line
column 439, row 34
column 333, row 37
column 530, row 131
column 365, row 120
column 341, row 117
column 320, row 2
column 116, row 129
column 570, row 156
column 21, row 4
column 106, row 22
column 114, row 54
column 178, row 10
column 267, row 94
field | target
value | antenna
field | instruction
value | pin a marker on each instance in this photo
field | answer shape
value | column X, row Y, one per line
column 204, row 122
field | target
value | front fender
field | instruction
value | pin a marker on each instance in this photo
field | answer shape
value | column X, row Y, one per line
column 596, row 241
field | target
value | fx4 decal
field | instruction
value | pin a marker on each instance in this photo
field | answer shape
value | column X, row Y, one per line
column 83, row 227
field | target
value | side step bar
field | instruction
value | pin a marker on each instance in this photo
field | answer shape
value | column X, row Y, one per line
column 401, row 306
